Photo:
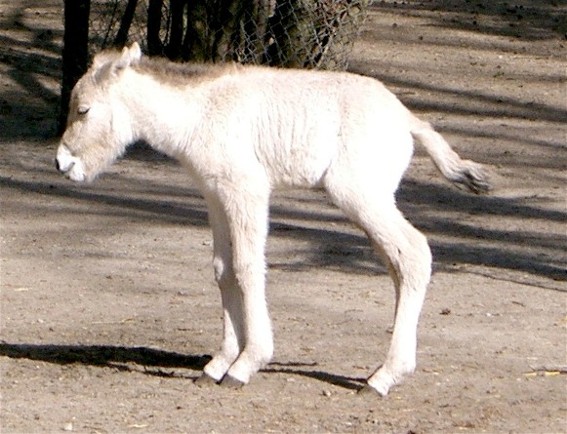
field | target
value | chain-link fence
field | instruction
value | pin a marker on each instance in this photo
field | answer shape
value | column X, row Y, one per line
column 290, row 33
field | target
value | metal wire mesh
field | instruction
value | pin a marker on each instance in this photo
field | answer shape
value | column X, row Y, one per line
column 289, row 33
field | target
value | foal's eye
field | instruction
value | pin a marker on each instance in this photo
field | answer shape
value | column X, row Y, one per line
column 83, row 109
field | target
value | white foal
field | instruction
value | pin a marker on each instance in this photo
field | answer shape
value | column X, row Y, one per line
column 243, row 131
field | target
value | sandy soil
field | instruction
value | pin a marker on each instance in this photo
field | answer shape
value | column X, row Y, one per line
column 109, row 308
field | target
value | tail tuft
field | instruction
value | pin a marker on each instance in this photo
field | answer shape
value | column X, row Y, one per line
column 472, row 176
column 460, row 172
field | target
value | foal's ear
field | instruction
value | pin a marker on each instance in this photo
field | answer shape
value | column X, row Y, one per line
column 129, row 56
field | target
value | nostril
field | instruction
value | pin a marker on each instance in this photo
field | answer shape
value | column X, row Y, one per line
column 57, row 165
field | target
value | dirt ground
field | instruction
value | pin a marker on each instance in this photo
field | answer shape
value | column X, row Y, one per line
column 108, row 305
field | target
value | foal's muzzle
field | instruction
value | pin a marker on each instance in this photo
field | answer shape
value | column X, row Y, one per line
column 69, row 165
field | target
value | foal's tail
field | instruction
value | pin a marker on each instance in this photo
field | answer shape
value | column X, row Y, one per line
column 460, row 172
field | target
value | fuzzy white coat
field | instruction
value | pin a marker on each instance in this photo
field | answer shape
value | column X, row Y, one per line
column 243, row 131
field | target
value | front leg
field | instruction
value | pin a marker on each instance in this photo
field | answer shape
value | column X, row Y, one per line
column 233, row 328
column 247, row 214
column 240, row 224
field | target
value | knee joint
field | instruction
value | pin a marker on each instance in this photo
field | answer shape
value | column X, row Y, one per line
column 224, row 273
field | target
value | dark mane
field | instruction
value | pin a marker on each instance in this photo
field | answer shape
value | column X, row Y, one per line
column 180, row 74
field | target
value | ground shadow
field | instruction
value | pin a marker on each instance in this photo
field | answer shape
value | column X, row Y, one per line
column 102, row 355
column 152, row 360
column 350, row 383
column 528, row 20
column 30, row 55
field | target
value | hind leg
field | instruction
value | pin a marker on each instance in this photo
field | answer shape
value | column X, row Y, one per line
column 410, row 262
column 408, row 257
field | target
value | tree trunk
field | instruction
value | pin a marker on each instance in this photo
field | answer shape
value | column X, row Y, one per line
column 75, row 51
column 155, row 46
column 125, row 24
column 195, row 42
column 176, row 28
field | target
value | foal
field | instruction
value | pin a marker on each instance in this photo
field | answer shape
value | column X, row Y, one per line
column 242, row 131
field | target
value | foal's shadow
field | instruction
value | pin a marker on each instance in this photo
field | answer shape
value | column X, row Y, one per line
column 104, row 356
column 151, row 361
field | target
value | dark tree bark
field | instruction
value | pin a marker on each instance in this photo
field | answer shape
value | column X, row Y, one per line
column 176, row 28
column 196, row 44
column 209, row 30
column 155, row 45
column 289, row 27
column 125, row 23
column 75, row 51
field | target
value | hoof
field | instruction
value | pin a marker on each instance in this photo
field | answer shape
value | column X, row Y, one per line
column 231, row 382
column 367, row 390
column 205, row 380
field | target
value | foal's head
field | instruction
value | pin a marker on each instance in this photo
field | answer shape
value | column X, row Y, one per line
column 99, row 126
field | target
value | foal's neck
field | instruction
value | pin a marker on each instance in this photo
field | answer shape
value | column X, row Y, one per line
column 163, row 115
